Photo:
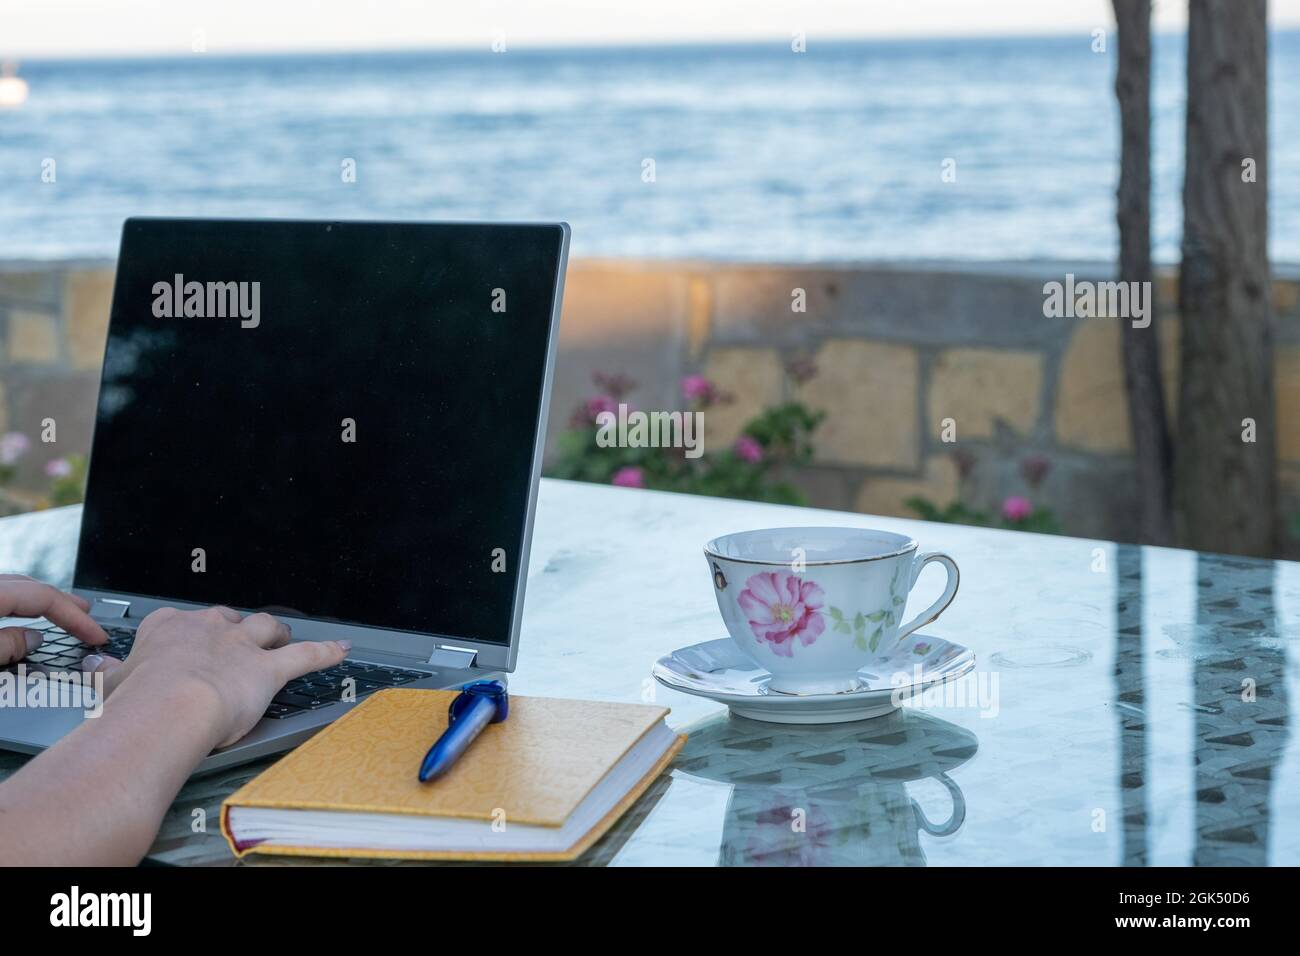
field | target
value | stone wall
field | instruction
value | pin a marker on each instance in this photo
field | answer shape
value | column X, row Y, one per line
column 53, row 319
column 898, row 350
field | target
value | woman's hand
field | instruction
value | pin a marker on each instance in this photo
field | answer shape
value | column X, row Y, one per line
column 20, row 596
column 194, row 680
column 230, row 666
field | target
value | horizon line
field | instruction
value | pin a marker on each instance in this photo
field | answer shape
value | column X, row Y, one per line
column 565, row 46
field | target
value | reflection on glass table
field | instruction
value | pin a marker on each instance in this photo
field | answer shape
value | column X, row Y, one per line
column 1135, row 706
column 829, row 795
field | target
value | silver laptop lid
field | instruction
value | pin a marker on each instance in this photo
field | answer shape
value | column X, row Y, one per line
column 340, row 423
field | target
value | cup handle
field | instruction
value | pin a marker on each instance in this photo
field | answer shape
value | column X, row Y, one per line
column 939, row 606
column 958, row 811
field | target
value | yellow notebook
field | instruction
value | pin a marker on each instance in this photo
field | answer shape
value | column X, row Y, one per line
column 544, row 784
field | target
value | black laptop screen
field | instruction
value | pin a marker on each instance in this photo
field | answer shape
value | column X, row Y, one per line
column 326, row 420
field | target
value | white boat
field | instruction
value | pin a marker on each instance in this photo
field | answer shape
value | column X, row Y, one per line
column 13, row 88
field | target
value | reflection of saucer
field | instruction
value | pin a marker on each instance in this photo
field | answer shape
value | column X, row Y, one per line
column 719, row 671
column 830, row 795
column 899, row 748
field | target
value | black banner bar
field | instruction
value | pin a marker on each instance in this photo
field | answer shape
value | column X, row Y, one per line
column 283, row 901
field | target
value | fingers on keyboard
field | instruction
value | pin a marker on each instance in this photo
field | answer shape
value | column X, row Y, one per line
column 349, row 681
column 345, row 682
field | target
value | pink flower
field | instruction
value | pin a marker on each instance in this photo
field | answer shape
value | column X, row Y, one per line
column 1035, row 469
column 586, row 412
column 748, row 449
column 780, row 607
column 697, row 388
column 964, row 459
column 616, row 385
column 13, row 445
column 801, row 368
column 58, row 468
column 629, row 476
column 773, row 841
column 1016, row 508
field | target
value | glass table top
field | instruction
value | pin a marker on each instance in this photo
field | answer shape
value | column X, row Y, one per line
column 1129, row 706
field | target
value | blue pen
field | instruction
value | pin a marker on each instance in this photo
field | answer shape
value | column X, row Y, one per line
column 477, row 705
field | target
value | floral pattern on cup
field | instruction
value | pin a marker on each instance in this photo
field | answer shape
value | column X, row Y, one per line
column 784, row 834
column 781, row 608
column 859, row 625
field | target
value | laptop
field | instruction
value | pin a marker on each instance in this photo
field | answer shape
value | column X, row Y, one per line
column 338, row 423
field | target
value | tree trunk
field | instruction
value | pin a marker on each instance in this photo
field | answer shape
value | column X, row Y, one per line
column 1141, row 346
column 1225, row 483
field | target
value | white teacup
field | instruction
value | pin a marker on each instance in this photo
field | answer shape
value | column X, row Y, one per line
column 813, row 606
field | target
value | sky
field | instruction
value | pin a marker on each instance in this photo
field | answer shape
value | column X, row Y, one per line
column 41, row 28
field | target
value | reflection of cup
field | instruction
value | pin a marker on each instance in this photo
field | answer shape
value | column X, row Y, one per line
column 828, row 795
column 867, row 825
column 813, row 606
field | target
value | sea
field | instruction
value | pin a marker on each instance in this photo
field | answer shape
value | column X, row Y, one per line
column 934, row 149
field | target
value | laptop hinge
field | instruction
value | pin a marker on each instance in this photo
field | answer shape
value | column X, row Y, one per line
column 107, row 607
column 457, row 658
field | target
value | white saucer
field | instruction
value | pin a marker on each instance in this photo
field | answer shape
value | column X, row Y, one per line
column 719, row 671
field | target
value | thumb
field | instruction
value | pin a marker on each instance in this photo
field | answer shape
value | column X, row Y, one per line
column 112, row 669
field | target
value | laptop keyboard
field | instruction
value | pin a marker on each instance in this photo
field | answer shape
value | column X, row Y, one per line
column 62, row 651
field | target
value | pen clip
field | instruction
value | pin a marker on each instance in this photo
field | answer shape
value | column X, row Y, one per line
column 492, row 689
